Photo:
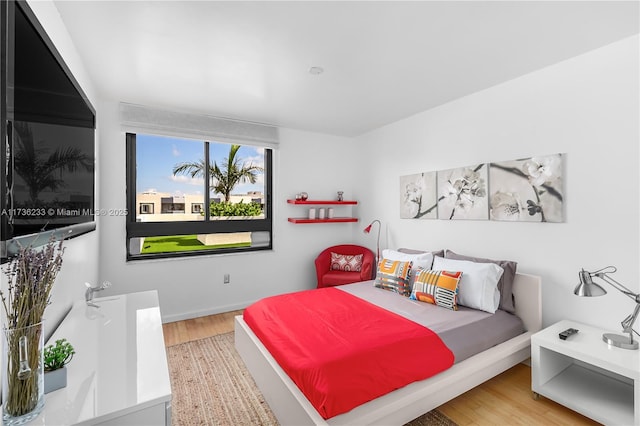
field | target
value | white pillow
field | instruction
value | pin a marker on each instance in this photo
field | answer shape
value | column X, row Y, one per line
column 478, row 288
column 420, row 260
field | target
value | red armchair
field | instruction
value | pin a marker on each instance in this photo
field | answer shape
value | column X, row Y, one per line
column 329, row 278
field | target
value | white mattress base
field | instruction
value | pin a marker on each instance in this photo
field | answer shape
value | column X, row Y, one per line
column 405, row 404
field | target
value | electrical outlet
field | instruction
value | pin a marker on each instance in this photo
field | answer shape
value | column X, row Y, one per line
column 227, row 278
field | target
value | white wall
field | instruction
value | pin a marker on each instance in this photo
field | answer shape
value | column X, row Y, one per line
column 191, row 287
column 586, row 108
column 80, row 262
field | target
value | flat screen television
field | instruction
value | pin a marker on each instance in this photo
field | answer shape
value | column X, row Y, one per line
column 48, row 128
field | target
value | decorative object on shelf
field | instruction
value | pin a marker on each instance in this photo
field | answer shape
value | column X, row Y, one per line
column 298, row 197
column 334, row 220
column 320, row 213
column 340, row 195
column 588, row 288
column 30, row 275
column 304, row 196
column 330, row 213
column 368, row 230
column 312, row 218
column 56, row 357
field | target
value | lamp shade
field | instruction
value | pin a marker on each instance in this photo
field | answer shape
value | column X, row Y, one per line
column 587, row 288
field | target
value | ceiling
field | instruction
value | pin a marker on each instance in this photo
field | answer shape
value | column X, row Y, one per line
column 383, row 61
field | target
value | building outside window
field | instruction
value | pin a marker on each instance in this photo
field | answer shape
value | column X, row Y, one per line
column 182, row 176
column 145, row 208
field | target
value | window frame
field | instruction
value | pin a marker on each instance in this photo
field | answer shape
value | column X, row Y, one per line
column 136, row 229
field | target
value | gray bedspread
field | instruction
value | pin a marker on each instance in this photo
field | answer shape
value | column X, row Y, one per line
column 466, row 331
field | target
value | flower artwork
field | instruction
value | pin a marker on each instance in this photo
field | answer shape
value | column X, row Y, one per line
column 463, row 193
column 418, row 196
column 527, row 190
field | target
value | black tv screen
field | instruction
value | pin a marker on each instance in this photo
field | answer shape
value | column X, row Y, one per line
column 49, row 128
column 52, row 176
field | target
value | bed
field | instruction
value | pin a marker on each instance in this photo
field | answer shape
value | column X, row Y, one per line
column 291, row 407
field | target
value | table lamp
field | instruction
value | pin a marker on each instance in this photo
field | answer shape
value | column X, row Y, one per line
column 588, row 288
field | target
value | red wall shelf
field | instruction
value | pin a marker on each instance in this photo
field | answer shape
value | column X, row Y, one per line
column 319, row 202
column 334, row 220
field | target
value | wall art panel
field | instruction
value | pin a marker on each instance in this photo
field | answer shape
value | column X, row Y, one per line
column 527, row 190
column 463, row 193
column 418, row 196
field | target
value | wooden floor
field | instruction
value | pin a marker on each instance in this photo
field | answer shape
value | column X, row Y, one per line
column 504, row 400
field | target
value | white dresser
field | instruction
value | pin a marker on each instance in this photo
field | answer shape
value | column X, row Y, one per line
column 119, row 374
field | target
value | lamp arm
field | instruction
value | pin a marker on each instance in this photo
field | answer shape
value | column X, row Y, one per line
column 615, row 284
column 378, row 241
column 368, row 229
column 627, row 323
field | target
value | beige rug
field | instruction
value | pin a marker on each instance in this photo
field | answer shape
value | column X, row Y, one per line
column 211, row 386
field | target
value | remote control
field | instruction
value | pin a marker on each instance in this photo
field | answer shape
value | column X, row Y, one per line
column 568, row 332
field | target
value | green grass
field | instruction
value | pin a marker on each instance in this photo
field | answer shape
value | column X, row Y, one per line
column 173, row 244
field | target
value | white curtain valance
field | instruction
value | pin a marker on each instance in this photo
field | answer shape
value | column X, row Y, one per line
column 141, row 119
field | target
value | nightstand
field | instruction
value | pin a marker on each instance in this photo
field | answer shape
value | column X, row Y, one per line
column 585, row 374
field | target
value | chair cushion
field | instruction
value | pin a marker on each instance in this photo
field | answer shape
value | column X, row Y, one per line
column 333, row 278
column 346, row 262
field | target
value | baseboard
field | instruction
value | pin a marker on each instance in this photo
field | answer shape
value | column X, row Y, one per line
column 205, row 312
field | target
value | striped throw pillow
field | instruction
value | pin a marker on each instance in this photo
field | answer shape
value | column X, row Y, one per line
column 393, row 275
column 437, row 287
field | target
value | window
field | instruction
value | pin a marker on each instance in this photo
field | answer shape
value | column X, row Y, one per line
column 172, row 180
column 146, row 208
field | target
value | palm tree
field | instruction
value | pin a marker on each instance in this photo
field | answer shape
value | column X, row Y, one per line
column 225, row 177
column 41, row 172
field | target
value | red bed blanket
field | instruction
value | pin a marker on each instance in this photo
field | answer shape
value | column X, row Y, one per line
column 342, row 351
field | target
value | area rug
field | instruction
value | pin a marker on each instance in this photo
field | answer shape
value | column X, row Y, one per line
column 211, row 386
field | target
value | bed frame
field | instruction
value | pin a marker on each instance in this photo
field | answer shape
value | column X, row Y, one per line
column 405, row 404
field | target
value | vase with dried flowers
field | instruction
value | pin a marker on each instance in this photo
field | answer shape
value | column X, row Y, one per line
column 30, row 278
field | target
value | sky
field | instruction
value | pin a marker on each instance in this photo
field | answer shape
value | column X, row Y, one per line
column 157, row 155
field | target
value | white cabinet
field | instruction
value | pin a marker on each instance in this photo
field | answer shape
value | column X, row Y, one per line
column 119, row 374
column 586, row 375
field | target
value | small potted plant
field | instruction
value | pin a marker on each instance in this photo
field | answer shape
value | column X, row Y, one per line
column 56, row 357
